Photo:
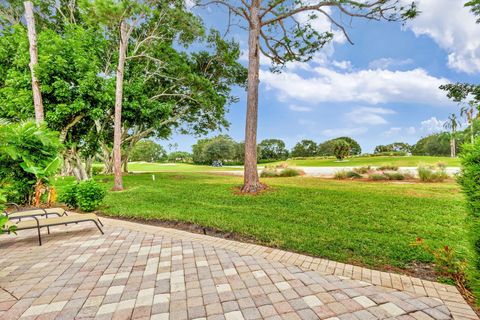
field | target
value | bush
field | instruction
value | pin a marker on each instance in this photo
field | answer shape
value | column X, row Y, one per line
column 28, row 160
column 89, row 195
column 86, row 195
column 341, row 149
column 431, row 174
column 270, row 172
column 69, row 196
column 362, row 170
column 353, row 175
column 340, row 175
column 469, row 180
column 388, row 167
column 290, row 172
column 394, row 175
column 378, row 177
column 97, row 170
column 345, row 174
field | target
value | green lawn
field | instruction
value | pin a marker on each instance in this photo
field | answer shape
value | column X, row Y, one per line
column 412, row 161
column 173, row 167
column 350, row 221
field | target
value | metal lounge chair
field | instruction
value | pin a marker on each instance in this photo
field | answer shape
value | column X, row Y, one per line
column 36, row 223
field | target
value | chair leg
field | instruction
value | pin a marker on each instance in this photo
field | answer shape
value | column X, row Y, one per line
column 48, row 230
column 100, row 222
column 98, row 226
column 39, row 237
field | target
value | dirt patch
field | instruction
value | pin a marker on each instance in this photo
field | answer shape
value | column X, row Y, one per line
column 265, row 189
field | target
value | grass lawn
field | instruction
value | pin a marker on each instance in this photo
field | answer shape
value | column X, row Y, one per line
column 172, row 167
column 412, row 161
column 367, row 223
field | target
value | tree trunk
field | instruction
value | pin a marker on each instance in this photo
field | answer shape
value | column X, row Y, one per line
column 125, row 162
column 472, row 135
column 251, row 182
column 117, row 133
column 453, row 150
column 32, row 39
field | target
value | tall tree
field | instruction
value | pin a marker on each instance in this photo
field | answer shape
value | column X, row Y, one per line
column 452, row 125
column 469, row 112
column 32, row 38
column 282, row 31
column 129, row 22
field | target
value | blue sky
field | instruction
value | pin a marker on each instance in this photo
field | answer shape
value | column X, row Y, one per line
column 382, row 89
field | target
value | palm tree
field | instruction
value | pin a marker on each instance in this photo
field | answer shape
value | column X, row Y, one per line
column 469, row 113
column 452, row 124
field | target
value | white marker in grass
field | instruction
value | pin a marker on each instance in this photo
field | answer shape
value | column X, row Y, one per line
column 153, row 177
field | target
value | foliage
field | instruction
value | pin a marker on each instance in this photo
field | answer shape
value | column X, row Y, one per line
column 304, row 148
column 394, row 175
column 180, row 156
column 431, row 173
column 28, row 158
column 475, row 7
column 394, row 147
column 4, row 218
column 448, row 266
column 341, row 149
column 273, row 149
column 388, row 167
column 437, row 144
column 89, row 195
column 469, row 180
column 327, row 148
column 148, row 151
column 220, row 148
column 69, row 195
column 362, row 170
column 269, row 172
column 341, row 174
column 378, row 177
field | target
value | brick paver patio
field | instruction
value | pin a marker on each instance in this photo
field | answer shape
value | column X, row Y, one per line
column 145, row 272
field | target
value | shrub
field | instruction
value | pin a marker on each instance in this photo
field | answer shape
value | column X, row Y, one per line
column 28, row 160
column 270, row 172
column 431, row 174
column 341, row 149
column 353, row 175
column 388, row 168
column 89, row 195
column 448, row 265
column 69, row 196
column 290, row 172
column 86, row 195
column 97, row 170
column 469, row 180
column 362, row 170
column 394, row 175
column 342, row 174
column 378, row 177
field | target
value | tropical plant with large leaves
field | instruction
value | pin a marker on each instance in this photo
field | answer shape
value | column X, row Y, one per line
column 29, row 156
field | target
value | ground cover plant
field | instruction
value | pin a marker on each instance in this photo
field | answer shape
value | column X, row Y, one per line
column 358, row 222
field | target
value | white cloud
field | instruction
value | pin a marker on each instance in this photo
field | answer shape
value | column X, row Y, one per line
column 344, row 132
column 388, row 63
column 364, row 86
column 369, row 115
column 453, row 28
column 297, row 108
column 344, row 64
column 400, row 131
column 432, row 125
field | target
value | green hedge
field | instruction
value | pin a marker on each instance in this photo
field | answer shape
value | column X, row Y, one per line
column 469, row 180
